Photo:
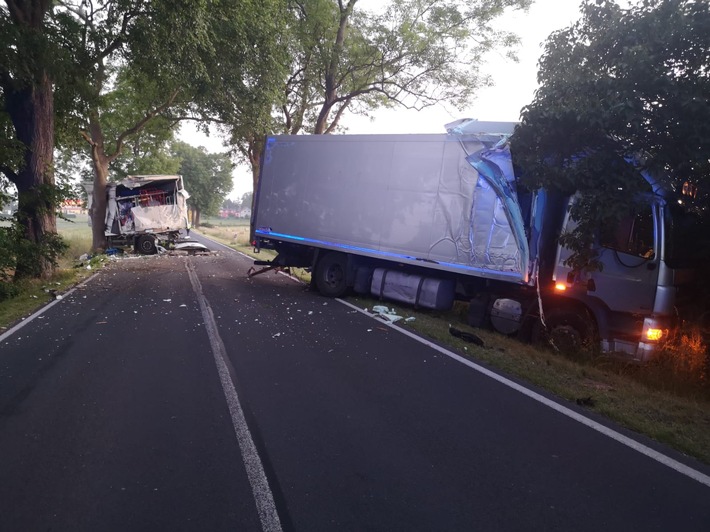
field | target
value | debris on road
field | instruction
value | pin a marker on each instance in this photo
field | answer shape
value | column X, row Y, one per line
column 465, row 336
column 386, row 313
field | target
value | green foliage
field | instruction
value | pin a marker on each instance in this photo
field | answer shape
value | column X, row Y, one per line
column 16, row 248
column 207, row 177
column 619, row 85
column 414, row 53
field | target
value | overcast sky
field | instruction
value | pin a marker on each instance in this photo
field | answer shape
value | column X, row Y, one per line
column 514, row 86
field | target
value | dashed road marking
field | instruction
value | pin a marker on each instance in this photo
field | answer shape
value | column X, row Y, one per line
column 264, row 498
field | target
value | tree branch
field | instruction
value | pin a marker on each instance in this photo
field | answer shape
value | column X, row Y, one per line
column 9, row 173
column 141, row 124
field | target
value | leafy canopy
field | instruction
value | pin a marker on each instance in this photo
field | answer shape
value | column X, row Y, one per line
column 414, row 53
column 619, row 84
column 207, row 177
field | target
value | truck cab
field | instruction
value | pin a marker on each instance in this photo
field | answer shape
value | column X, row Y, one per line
column 633, row 296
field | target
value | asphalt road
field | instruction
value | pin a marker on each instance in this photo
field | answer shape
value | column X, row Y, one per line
column 173, row 393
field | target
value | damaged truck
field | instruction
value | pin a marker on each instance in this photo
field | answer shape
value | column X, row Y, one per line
column 427, row 219
column 145, row 211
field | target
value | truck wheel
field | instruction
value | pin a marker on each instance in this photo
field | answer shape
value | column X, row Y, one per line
column 568, row 330
column 331, row 274
column 145, row 245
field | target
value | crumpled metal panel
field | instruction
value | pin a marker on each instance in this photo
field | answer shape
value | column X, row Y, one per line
column 506, row 243
column 493, row 243
column 159, row 217
column 494, row 230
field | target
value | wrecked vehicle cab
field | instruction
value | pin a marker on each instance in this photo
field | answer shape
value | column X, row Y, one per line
column 146, row 211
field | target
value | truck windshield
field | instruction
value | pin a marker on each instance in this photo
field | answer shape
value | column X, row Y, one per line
column 686, row 237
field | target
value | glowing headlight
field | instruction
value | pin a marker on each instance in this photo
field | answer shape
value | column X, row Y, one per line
column 654, row 335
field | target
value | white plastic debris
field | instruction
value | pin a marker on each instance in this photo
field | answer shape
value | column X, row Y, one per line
column 386, row 313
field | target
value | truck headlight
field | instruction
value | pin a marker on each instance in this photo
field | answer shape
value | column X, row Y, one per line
column 652, row 330
column 653, row 335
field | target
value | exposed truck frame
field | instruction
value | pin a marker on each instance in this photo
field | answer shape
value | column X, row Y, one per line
column 426, row 219
column 145, row 211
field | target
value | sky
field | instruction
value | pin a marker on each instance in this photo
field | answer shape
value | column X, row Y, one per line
column 514, row 86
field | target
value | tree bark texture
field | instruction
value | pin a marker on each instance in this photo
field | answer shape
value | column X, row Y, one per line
column 31, row 110
column 30, row 105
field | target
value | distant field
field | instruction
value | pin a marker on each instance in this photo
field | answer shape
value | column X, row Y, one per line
column 77, row 233
column 228, row 222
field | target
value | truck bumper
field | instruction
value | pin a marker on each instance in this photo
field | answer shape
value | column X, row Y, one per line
column 653, row 334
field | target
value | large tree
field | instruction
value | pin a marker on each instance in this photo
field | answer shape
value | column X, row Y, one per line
column 27, row 75
column 411, row 53
column 619, row 85
column 172, row 60
column 416, row 53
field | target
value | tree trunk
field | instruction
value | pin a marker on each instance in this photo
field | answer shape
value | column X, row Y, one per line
column 256, row 151
column 98, row 214
column 331, row 73
column 196, row 217
column 32, row 112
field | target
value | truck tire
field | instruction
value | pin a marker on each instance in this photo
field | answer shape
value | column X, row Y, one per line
column 331, row 274
column 570, row 331
column 146, row 245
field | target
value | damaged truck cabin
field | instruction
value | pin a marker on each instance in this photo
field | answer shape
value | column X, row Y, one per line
column 427, row 219
column 146, row 211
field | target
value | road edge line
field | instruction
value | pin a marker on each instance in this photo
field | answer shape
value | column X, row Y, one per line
column 576, row 416
column 42, row 310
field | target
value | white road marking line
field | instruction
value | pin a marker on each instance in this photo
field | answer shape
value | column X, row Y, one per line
column 266, row 507
column 624, row 440
column 44, row 309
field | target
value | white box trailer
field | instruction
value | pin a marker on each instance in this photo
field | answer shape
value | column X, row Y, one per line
column 427, row 218
column 407, row 198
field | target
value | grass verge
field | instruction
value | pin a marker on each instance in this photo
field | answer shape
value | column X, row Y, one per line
column 34, row 293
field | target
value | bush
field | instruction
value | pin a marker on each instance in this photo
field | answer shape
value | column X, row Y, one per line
column 17, row 253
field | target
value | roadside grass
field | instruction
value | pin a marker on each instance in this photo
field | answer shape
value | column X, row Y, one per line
column 33, row 293
column 215, row 221
column 77, row 234
column 667, row 399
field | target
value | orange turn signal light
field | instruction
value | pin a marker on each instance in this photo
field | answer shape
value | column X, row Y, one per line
column 654, row 335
